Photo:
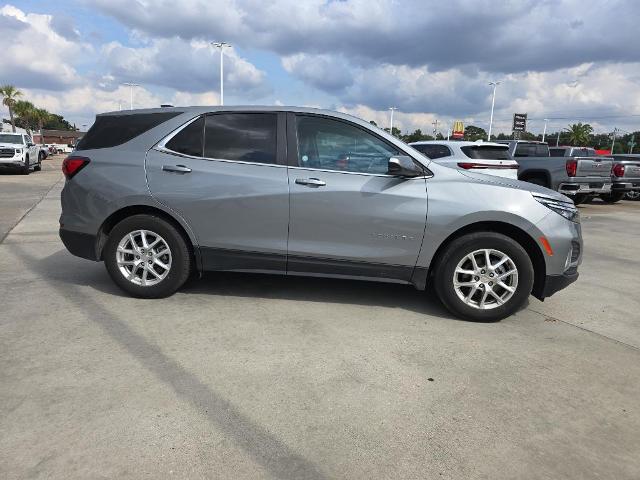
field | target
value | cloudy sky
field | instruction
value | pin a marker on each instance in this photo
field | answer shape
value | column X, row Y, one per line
column 573, row 60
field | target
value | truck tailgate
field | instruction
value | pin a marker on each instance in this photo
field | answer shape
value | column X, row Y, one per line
column 631, row 169
column 594, row 167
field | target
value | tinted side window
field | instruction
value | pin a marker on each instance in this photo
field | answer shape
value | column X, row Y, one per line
column 189, row 140
column 334, row 145
column 112, row 130
column 434, row 151
column 246, row 137
column 556, row 152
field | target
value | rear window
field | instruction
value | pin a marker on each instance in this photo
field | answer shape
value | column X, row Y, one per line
column 112, row 130
column 486, row 153
column 189, row 140
column 433, row 151
column 245, row 137
column 531, row 150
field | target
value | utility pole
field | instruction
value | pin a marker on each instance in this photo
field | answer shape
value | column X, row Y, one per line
column 632, row 144
column 558, row 139
column 613, row 142
column 221, row 46
column 391, row 121
column 131, row 86
column 544, row 132
column 493, row 102
column 435, row 128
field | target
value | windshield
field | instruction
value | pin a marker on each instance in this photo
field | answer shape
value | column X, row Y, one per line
column 486, row 152
column 10, row 138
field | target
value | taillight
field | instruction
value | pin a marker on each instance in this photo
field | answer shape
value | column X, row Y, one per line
column 572, row 167
column 618, row 170
column 72, row 165
column 470, row 165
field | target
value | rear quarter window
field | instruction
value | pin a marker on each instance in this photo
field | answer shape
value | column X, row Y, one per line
column 486, row 153
column 113, row 130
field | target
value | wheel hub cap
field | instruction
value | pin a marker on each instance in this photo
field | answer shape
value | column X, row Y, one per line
column 143, row 257
column 485, row 279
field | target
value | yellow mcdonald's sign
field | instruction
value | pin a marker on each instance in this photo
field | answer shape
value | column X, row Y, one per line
column 458, row 129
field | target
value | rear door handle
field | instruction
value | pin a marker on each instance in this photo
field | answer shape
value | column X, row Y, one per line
column 310, row 182
column 176, row 169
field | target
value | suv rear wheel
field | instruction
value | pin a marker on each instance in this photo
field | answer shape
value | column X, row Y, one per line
column 484, row 276
column 147, row 257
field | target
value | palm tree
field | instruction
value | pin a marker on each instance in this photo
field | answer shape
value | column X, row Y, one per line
column 26, row 111
column 41, row 116
column 579, row 134
column 10, row 95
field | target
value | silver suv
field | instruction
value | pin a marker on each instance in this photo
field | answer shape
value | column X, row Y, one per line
column 161, row 194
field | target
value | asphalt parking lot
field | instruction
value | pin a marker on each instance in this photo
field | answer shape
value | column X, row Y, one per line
column 248, row 376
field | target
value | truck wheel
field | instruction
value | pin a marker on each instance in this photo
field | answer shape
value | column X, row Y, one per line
column 632, row 195
column 484, row 276
column 26, row 169
column 538, row 181
column 147, row 257
column 579, row 198
column 612, row 197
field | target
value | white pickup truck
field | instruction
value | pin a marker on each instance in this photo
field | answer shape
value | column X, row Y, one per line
column 17, row 150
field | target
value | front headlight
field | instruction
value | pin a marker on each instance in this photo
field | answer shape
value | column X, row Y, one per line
column 18, row 151
column 566, row 209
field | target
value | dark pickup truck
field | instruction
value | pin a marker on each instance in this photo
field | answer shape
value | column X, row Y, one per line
column 574, row 171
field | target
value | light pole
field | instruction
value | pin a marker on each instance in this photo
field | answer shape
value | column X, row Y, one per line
column 221, row 46
column 391, row 121
column 544, row 132
column 613, row 142
column 493, row 102
column 435, row 129
column 131, row 86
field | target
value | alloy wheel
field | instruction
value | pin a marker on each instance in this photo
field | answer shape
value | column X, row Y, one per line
column 485, row 279
column 143, row 258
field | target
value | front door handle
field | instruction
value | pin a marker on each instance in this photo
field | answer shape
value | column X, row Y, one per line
column 176, row 169
column 310, row 182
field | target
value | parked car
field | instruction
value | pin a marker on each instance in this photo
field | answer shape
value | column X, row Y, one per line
column 300, row 191
column 43, row 152
column 18, row 151
column 484, row 157
column 625, row 177
column 574, row 171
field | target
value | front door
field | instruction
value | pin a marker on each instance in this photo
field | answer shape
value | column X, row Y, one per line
column 225, row 174
column 348, row 216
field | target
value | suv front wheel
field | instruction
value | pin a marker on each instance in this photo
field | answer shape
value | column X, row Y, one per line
column 147, row 256
column 484, row 276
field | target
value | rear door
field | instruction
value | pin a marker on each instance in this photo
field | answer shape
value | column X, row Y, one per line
column 226, row 175
column 348, row 217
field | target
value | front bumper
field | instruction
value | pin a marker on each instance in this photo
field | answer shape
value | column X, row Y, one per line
column 555, row 283
column 11, row 162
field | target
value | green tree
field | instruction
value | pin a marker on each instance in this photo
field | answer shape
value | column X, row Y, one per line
column 580, row 134
column 416, row 136
column 10, row 95
column 473, row 133
column 25, row 111
column 40, row 115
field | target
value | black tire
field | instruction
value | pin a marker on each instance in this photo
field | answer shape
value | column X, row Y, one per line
column 461, row 247
column 612, row 197
column 538, row 181
column 181, row 263
column 632, row 195
column 26, row 169
column 579, row 198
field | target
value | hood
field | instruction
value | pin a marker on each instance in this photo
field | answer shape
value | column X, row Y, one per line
column 517, row 184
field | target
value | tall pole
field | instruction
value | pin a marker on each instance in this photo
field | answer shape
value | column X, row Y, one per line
column 613, row 142
column 131, row 85
column 544, row 132
column 391, row 121
column 493, row 102
column 435, row 128
column 221, row 46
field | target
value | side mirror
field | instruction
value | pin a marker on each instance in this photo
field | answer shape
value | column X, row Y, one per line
column 403, row 166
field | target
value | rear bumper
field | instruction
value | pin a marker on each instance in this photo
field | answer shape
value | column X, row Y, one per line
column 626, row 185
column 586, row 185
column 555, row 283
column 81, row 245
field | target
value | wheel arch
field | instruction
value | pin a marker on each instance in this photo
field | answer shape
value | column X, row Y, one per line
column 128, row 211
column 516, row 233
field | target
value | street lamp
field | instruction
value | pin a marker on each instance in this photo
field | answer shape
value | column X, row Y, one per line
column 131, row 86
column 391, row 122
column 544, row 132
column 493, row 102
column 221, row 46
